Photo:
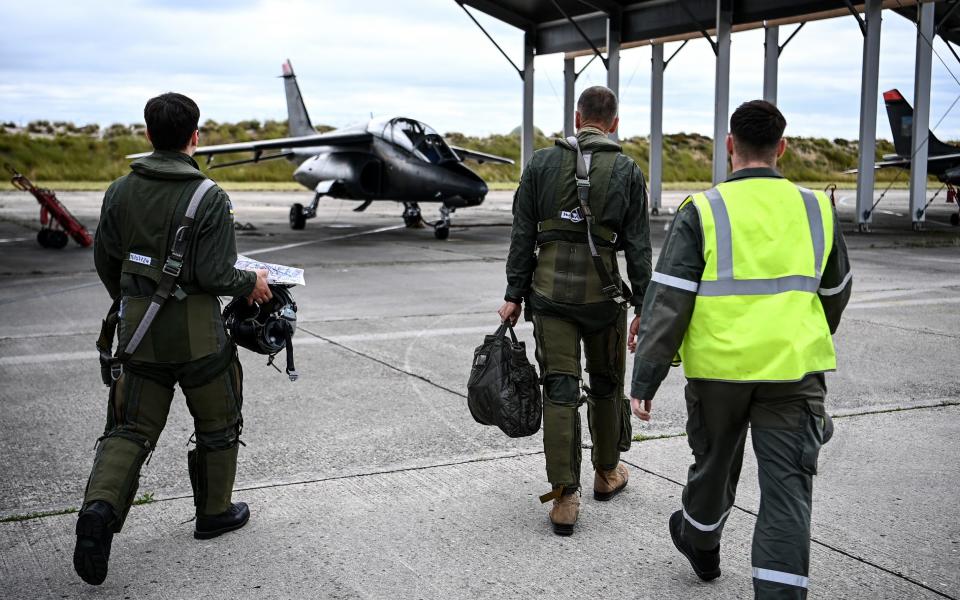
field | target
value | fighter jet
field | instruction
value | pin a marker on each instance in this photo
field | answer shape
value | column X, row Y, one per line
column 397, row 159
column 943, row 159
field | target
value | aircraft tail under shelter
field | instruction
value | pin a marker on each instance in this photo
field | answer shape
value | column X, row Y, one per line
column 297, row 117
column 900, row 114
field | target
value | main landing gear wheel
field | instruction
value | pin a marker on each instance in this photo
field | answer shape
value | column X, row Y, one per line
column 297, row 219
column 52, row 238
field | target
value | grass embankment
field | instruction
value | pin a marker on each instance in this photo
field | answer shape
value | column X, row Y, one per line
column 63, row 156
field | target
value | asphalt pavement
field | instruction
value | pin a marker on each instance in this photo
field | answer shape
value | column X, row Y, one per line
column 368, row 478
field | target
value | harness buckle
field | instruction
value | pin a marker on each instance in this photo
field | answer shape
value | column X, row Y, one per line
column 116, row 370
column 172, row 267
column 582, row 182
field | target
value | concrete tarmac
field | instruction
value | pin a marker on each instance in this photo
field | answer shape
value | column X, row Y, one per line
column 369, row 479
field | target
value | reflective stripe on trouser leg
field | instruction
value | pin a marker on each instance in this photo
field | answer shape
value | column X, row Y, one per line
column 780, row 577
column 608, row 411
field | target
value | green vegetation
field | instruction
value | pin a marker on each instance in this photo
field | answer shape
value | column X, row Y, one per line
column 38, row 515
column 64, row 153
column 664, row 436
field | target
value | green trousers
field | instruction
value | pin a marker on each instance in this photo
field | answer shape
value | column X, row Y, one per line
column 608, row 412
column 137, row 409
column 788, row 426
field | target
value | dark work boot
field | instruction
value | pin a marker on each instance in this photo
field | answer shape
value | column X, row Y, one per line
column 706, row 564
column 211, row 526
column 94, row 536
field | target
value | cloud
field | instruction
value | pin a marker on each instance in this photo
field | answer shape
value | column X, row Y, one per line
column 88, row 62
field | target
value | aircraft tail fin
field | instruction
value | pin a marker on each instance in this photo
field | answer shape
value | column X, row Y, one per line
column 900, row 114
column 298, row 121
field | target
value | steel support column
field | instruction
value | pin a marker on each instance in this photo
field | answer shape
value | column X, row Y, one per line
column 722, row 90
column 921, row 115
column 569, row 101
column 868, row 113
column 771, row 59
column 526, row 125
column 656, row 128
column 613, row 57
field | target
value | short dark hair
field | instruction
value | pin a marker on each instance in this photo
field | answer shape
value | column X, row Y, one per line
column 597, row 104
column 757, row 127
column 171, row 120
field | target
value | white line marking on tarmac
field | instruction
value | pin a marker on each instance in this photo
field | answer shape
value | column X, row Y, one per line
column 326, row 239
column 37, row 359
column 10, row 240
column 917, row 302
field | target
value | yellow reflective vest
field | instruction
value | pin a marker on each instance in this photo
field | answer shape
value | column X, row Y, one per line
column 757, row 316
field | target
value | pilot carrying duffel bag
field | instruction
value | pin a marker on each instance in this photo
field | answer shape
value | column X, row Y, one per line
column 503, row 388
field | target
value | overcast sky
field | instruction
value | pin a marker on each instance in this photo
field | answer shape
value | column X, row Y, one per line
column 98, row 62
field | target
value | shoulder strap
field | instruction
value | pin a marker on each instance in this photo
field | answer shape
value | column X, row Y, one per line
column 618, row 292
column 171, row 270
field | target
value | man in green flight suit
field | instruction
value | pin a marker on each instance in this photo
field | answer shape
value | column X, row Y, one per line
column 575, row 295
column 185, row 344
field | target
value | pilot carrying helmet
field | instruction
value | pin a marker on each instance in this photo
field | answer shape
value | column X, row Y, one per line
column 265, row 328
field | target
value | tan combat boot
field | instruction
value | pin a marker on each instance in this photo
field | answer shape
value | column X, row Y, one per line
column 565, row 510
column 607, row 484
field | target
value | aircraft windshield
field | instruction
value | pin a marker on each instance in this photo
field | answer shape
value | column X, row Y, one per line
column 420, row 139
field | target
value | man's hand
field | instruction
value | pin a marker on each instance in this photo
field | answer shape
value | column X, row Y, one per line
column 634, row 331
column 641, row 408
column 261, row 290
column 510, row 312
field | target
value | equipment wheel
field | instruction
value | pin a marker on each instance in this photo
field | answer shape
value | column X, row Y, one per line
column 57, row 239
column 441, row 232
column 955, row 219
column 297, row 219
column 43, row 238
column 412, row 221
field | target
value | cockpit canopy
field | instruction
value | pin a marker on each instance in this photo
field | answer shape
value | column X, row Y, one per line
column 414, row 136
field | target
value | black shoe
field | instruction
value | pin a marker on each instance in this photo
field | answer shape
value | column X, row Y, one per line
column 212, row 526
column 94, row 536
column 706, row 564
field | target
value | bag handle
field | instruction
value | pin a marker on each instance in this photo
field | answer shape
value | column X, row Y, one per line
column 504, row 327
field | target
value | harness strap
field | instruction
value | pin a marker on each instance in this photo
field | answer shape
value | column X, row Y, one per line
column 599, row 231
column 170, row 272
column 616, row 291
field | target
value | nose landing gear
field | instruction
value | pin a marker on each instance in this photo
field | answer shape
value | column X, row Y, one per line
column 441, row 229
column 300, row 213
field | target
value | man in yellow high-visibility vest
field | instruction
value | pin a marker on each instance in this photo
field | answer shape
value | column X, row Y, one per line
column 748, row 290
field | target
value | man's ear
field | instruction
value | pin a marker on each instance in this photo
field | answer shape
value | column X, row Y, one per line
column 146, row 132
column 576, row 119
column 729, row 144
column 195, row 138
column 781, row 147
column 614, row 125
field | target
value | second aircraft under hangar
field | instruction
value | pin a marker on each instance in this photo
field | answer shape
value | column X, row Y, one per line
column 396, row 159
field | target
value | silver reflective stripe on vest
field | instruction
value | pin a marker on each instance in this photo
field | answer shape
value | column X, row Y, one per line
column 816, row 225
column 700, row 525
column 780, row 577
column 677, row 282
column 759, row 287
column 836, row 290
column 154, row 307
column 723, row 234
column 726, row 285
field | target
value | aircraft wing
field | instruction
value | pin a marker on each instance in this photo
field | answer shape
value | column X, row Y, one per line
column 332, row 138
column 480, row 157
column 905, row 162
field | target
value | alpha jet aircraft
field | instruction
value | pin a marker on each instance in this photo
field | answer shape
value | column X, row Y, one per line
column 943, row 159
column 397, row 159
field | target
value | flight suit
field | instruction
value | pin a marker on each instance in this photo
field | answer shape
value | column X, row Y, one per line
column 185, row 345
column 549, row 266
column 750, row 285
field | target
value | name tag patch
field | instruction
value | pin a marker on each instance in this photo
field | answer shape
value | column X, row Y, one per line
column 573, row 216
column 139, row 258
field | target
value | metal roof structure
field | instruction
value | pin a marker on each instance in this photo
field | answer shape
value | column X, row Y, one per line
column 603, row 28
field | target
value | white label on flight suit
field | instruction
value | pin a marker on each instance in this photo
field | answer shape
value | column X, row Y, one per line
column 571, row 215
column 139, row 258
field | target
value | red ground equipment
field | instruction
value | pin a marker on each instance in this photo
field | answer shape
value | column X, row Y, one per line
column 56, row 221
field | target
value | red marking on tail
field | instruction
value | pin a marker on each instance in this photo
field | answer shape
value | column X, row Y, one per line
column 892, row 96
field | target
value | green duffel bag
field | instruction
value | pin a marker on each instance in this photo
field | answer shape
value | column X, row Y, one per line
column 503, row 388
